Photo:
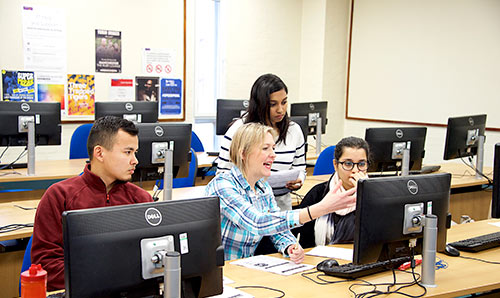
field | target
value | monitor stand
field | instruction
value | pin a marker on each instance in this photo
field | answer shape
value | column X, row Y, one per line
column 480, row 157
column 429, row 251
column 318, row 136
column 168, row 168
column 31, row 147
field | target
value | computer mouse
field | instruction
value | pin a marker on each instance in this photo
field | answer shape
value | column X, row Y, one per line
column 329, row 263
column 451, row 251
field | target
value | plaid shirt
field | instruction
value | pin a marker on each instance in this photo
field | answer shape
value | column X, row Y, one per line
column 247, row 216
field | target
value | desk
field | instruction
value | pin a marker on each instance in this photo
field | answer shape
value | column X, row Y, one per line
column 462, row 276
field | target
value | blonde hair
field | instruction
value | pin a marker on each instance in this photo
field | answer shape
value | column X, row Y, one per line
column 245, row 140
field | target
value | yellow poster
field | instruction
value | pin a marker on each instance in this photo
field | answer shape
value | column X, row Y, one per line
column 81, row 95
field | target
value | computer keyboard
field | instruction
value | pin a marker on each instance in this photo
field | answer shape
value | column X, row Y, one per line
column 352, row 271
column 478, row 243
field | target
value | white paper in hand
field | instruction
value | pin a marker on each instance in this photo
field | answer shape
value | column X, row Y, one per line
column 278, row 180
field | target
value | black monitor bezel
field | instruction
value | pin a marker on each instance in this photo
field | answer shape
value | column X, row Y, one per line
column 304, row 108
column 456, row 135
column 228, row 110
column 147, row 109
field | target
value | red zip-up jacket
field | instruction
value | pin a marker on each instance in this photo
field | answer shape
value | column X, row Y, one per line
column 81, row 192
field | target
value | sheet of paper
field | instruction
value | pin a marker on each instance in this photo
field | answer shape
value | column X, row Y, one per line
column 273, row 265
column 496, row 224
column 232, row 293
column 331, row 252
column 278, row 181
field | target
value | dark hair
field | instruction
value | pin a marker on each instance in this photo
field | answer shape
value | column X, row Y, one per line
column 104, row 130
column 351, row 142
column 259, row 104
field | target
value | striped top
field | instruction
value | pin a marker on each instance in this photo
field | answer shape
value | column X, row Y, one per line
column 290, row 154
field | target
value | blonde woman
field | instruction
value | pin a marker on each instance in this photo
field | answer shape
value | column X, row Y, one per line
column 248, row 208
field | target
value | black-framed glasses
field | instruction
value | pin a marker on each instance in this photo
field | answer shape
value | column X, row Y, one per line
column 348, row 165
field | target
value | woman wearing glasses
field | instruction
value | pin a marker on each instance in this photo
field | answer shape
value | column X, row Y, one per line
column 350, row 163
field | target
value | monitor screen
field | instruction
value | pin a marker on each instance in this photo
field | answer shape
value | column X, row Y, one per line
column 13, row 118
column 462, row 136
column 228, row 110
column 380, row 214
column 312, row 110
column 303, row 122
column 153, row 139
column 105, row 249
column 386, row 145
column 135, row 111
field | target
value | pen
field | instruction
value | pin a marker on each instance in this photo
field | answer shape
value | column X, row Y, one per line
column 297, row 244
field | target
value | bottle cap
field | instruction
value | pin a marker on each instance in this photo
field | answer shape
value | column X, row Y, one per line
column 34, row 273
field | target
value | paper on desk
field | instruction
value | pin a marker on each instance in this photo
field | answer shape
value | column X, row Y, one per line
column 496, row 224
column 278, row 180
column 331, row 252
column 232, row 293
column 272, row 264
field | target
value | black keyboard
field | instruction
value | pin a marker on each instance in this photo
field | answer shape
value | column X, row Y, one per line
column 478, row 243
column 352, row 271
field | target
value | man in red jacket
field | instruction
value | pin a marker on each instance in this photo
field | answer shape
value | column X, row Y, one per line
column 112, row 145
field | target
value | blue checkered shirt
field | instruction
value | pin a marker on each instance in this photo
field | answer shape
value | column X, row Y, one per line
column 247, row 216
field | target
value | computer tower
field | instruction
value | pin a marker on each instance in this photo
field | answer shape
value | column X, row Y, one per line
column 495, row 200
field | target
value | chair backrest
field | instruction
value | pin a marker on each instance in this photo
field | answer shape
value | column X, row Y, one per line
column 189, row 180
column 26, row 261
column 196, row 143
column 78, row 144
column 324, row 163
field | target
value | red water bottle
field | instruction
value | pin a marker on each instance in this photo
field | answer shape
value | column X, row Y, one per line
column 34, row 282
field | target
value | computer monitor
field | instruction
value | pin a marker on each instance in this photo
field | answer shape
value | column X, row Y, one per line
column 13, row 118
column 106, row 249
column 135, row 111
column 303, row 122
column 462, row 136
column 381, row 206
column 153, row 140
column 387, row 144
column 495, row 202
column 312, row 110
column 228, row 110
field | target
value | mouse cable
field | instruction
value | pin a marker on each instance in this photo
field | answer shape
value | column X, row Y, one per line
column 263, row 287
column 14, row 227
column 320, row 276
column 480, row 260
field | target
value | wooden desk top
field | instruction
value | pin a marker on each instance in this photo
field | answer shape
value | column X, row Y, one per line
column 11, row 214
column 460, row 278
column 45, row 170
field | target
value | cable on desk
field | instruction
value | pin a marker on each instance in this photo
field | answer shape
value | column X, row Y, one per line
column 480, row 260
column 320, row 276
column 5, row 150
column 10, row 173
column 470, row 165
column 14, row 227
column 262, row 287
column 25, row 208
column 22, row 154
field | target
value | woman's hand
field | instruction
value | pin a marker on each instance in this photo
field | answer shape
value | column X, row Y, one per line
column 335, row 200
column 296, row 254
column 294, row 184
column 355, row 178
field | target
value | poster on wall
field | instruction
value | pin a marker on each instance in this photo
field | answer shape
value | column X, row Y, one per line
column 158, row 62
column 121, row 90
column 50, row 88
column 108, row 51
column 44, row 38
column 146, row 88
column 171, row 98
column 18, row 85
column 81, row 95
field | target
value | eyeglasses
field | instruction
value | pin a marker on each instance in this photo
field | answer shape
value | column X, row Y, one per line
column 349, row 165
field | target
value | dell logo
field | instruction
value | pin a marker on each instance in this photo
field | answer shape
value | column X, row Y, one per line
column 159, row 131
column 153, row 216
column 471, row 121
column 245, row 104
column 399, row 133
column 312, row 107
column 412, row 187
column 25, row 107
column 129, row 107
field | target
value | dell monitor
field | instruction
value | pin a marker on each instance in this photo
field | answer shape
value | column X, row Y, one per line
column 313, row 111
column 387, row 145
column 13, row 118
column 154, row 138
column 381, row 206
column 228, row 110
column 108, row 251
column 135, row 111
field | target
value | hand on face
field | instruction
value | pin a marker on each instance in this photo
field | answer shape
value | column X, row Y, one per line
column 296, row 254
column 294, row 184
column 335, row 200
column 354, row 178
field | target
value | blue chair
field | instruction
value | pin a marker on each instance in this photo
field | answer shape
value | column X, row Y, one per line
column 78, row 144
column 187, row 181
column 196, row 143
column 26, row 261
column 324, row 163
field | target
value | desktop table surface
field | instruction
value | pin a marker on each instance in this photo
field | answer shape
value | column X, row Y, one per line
column 461, row 277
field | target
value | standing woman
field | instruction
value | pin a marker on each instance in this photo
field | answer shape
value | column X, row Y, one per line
column 268, row 105
column 248, row 208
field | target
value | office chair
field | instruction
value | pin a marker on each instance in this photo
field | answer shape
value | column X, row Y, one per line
column 324, row 163
column 196, row 143
column 26, row 261
column 186, row 181
column 78, row 144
